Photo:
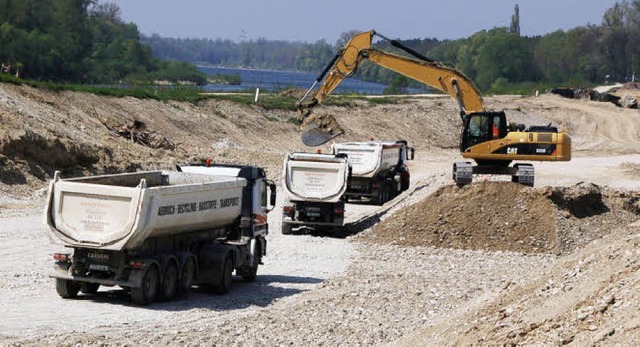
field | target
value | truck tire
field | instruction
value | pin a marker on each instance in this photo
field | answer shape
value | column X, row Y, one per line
column 224, row 281
column 67, row 289
column 169, row 288
column 149, row 288
column 382, row 195
column 89, row 288
column 405, row 181
column 187, row 275
column 393, row 189
column 286, row 229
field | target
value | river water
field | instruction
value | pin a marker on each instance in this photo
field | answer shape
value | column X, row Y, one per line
column 274, row 81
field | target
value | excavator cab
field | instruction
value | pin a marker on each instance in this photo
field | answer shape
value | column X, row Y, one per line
column 481, row 127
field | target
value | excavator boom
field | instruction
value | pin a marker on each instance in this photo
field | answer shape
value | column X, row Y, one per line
column 419, row 68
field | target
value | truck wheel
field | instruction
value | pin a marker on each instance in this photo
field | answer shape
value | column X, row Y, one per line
column 224, row 281
column 286, row 229
column 170, row 281
column 149, row 289
column 67, row 289
column 404, row 185
column 187, row 275
column 89, row 288
column 382, row 195
column 393, row 189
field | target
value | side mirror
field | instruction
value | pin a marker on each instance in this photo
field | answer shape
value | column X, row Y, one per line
column 413, row 153
column 273, row 196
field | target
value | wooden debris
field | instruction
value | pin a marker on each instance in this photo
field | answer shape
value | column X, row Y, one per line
column 138, row 133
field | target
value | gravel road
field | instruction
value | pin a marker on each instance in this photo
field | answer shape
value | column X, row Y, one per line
column 311, row 290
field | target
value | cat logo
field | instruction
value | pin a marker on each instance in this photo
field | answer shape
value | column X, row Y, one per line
column 512, row 150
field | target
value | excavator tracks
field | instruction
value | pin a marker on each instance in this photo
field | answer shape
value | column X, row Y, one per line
column 463, row 172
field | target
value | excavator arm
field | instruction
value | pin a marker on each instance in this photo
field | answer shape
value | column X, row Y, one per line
column 319, row 130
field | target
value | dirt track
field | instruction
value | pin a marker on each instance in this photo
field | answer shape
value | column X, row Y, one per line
column 323, row 290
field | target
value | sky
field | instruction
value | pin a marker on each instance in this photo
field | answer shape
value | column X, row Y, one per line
column 309, row 21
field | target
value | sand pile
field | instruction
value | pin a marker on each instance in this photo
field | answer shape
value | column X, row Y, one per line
column 504, row 216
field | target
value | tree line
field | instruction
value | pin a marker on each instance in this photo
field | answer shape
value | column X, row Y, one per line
column 80, row 41
column 85, row 41
column 584, row 55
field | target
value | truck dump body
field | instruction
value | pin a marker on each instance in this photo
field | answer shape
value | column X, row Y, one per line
column 315, row 185
column 315, row 177
column 369, row 158
column 117, row 212
column 379, row 169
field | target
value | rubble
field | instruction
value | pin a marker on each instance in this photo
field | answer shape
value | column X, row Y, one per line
column 138, row 133
column 623, row 95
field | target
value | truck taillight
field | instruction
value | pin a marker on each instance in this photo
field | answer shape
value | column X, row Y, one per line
column 287, row 209
column 339, row 211
column 136, row 264
column 61, row 256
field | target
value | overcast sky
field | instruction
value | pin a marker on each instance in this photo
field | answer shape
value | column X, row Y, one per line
column 309, row 21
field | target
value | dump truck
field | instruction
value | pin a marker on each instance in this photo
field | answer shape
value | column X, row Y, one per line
column 315, row 184
column 157, row 233
column 379, row 169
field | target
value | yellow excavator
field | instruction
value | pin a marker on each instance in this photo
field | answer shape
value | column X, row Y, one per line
column 486, row 137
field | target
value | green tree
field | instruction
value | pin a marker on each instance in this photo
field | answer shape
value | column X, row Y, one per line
column 398, row 86
column 489, row 55
column 515, row 21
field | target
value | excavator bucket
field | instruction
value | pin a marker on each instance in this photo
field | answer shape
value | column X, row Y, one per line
column 319, row 130
column 314, row 136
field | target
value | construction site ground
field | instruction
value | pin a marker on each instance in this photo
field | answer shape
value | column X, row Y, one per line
column 489, row 263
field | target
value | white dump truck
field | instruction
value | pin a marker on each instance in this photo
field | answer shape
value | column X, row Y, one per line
column 379, row 169
column 157, row 233
column 315, row 186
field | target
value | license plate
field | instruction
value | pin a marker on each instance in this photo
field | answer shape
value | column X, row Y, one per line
column 98, row 256
column 313, row 214
column 98, row 267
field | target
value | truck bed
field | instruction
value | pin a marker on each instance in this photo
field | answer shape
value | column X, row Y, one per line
column 121, row 211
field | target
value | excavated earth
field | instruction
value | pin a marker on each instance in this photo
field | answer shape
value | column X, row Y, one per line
column 505, row 216
column 490, row 263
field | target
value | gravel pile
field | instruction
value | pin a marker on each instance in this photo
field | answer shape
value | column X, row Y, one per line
column 505, row 216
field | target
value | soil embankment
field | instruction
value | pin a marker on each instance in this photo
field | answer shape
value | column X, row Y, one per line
column 505, row 216
column 490, row 263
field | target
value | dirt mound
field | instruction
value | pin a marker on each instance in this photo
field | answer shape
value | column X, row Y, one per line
column 633, row 169
column 629, row 92
column 297, row 93
column 630, row 86
column 505, row 216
